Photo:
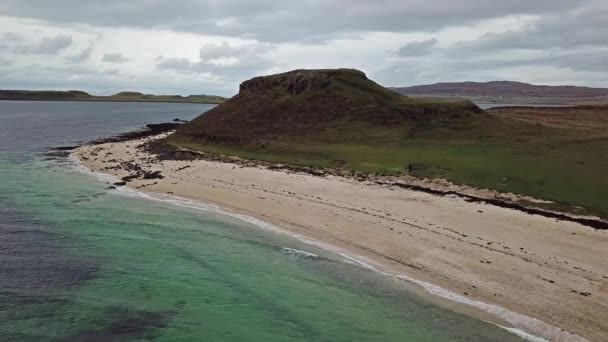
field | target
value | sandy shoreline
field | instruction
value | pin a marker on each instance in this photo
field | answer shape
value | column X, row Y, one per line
column 556, row 272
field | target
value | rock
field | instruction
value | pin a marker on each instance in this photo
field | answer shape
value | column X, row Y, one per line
column 294, row 82
column 162, row 127
column 66, row 148
column 153, row 175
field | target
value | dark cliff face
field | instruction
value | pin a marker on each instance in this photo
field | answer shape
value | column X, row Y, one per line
column 297, row 81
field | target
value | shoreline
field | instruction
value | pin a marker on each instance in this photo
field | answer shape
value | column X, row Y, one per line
column 116, row 101
column 370, row 232
column 492, row 314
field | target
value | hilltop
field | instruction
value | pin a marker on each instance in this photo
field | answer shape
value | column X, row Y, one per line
column 124, row 96
column 515, row 92
column 323, row 105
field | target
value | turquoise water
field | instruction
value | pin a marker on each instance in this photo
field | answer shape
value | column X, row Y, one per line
column 79, row 262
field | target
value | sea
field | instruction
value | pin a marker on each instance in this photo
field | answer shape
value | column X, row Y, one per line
column 80, row 261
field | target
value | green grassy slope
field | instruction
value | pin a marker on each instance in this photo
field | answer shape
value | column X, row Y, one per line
column 354, row 124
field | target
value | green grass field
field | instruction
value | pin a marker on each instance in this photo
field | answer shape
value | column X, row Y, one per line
column 557, row 165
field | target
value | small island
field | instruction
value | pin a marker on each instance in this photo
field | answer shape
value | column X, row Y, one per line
column 124, row 96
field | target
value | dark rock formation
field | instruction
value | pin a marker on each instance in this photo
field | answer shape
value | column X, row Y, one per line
column 162, row 127
column 294, row 82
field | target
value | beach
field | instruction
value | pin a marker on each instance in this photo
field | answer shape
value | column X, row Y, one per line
column 491, row 257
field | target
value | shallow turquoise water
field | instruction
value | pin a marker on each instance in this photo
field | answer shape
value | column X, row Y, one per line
column 79, row 262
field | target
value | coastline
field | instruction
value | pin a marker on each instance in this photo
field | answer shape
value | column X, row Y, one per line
column 501, row 259
column 112, row 100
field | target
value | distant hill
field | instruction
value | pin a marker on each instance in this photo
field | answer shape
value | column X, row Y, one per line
column 42, row 95
column 324, row 105
column 125, row 96
column 504, row 89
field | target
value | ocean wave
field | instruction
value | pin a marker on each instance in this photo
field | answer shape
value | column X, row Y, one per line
column 298, row 253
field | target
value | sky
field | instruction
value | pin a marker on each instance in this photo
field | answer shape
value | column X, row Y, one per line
column 210, row 46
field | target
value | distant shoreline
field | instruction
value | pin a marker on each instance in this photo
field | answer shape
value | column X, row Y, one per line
column 123, row 96
column 110, row 100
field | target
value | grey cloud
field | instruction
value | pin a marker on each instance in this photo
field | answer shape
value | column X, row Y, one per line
column 213, row 51
column 222, row 60
column 10, row 40
column 12, row 37
column 587, row 26
column 592, row 61
column 417, row 48
column 596, row 62
column 6, row 62
column 288, row 20
column 36, row 76
column 82, row 56
column 46, row 46
column 113, row 72
column 114, row 58
column 50, row 45
column 179, row 64
column 242, row 69
column 98, row 80
column 573, row 41
column 568, row 35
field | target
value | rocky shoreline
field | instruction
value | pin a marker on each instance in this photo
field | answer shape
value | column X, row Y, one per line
column 148, row 131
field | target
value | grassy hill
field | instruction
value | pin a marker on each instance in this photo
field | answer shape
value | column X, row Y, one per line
column 325, row 106
column 125, row 96
column 340, row 119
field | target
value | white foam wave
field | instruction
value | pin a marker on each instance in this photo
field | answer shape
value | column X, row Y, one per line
column 78, row 166
column 523, row 326
column 524, row 335
column 298, row 253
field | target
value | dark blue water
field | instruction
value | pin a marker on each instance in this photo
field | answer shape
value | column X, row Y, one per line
column 32, row 126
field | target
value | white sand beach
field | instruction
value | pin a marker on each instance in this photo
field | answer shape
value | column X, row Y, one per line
column 554, row 271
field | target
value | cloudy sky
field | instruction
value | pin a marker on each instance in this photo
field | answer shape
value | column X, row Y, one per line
column 209, row 46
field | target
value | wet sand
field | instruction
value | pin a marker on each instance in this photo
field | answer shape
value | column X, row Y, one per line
column 554, row 271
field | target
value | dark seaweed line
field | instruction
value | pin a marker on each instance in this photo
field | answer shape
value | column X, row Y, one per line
column 593, row 223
